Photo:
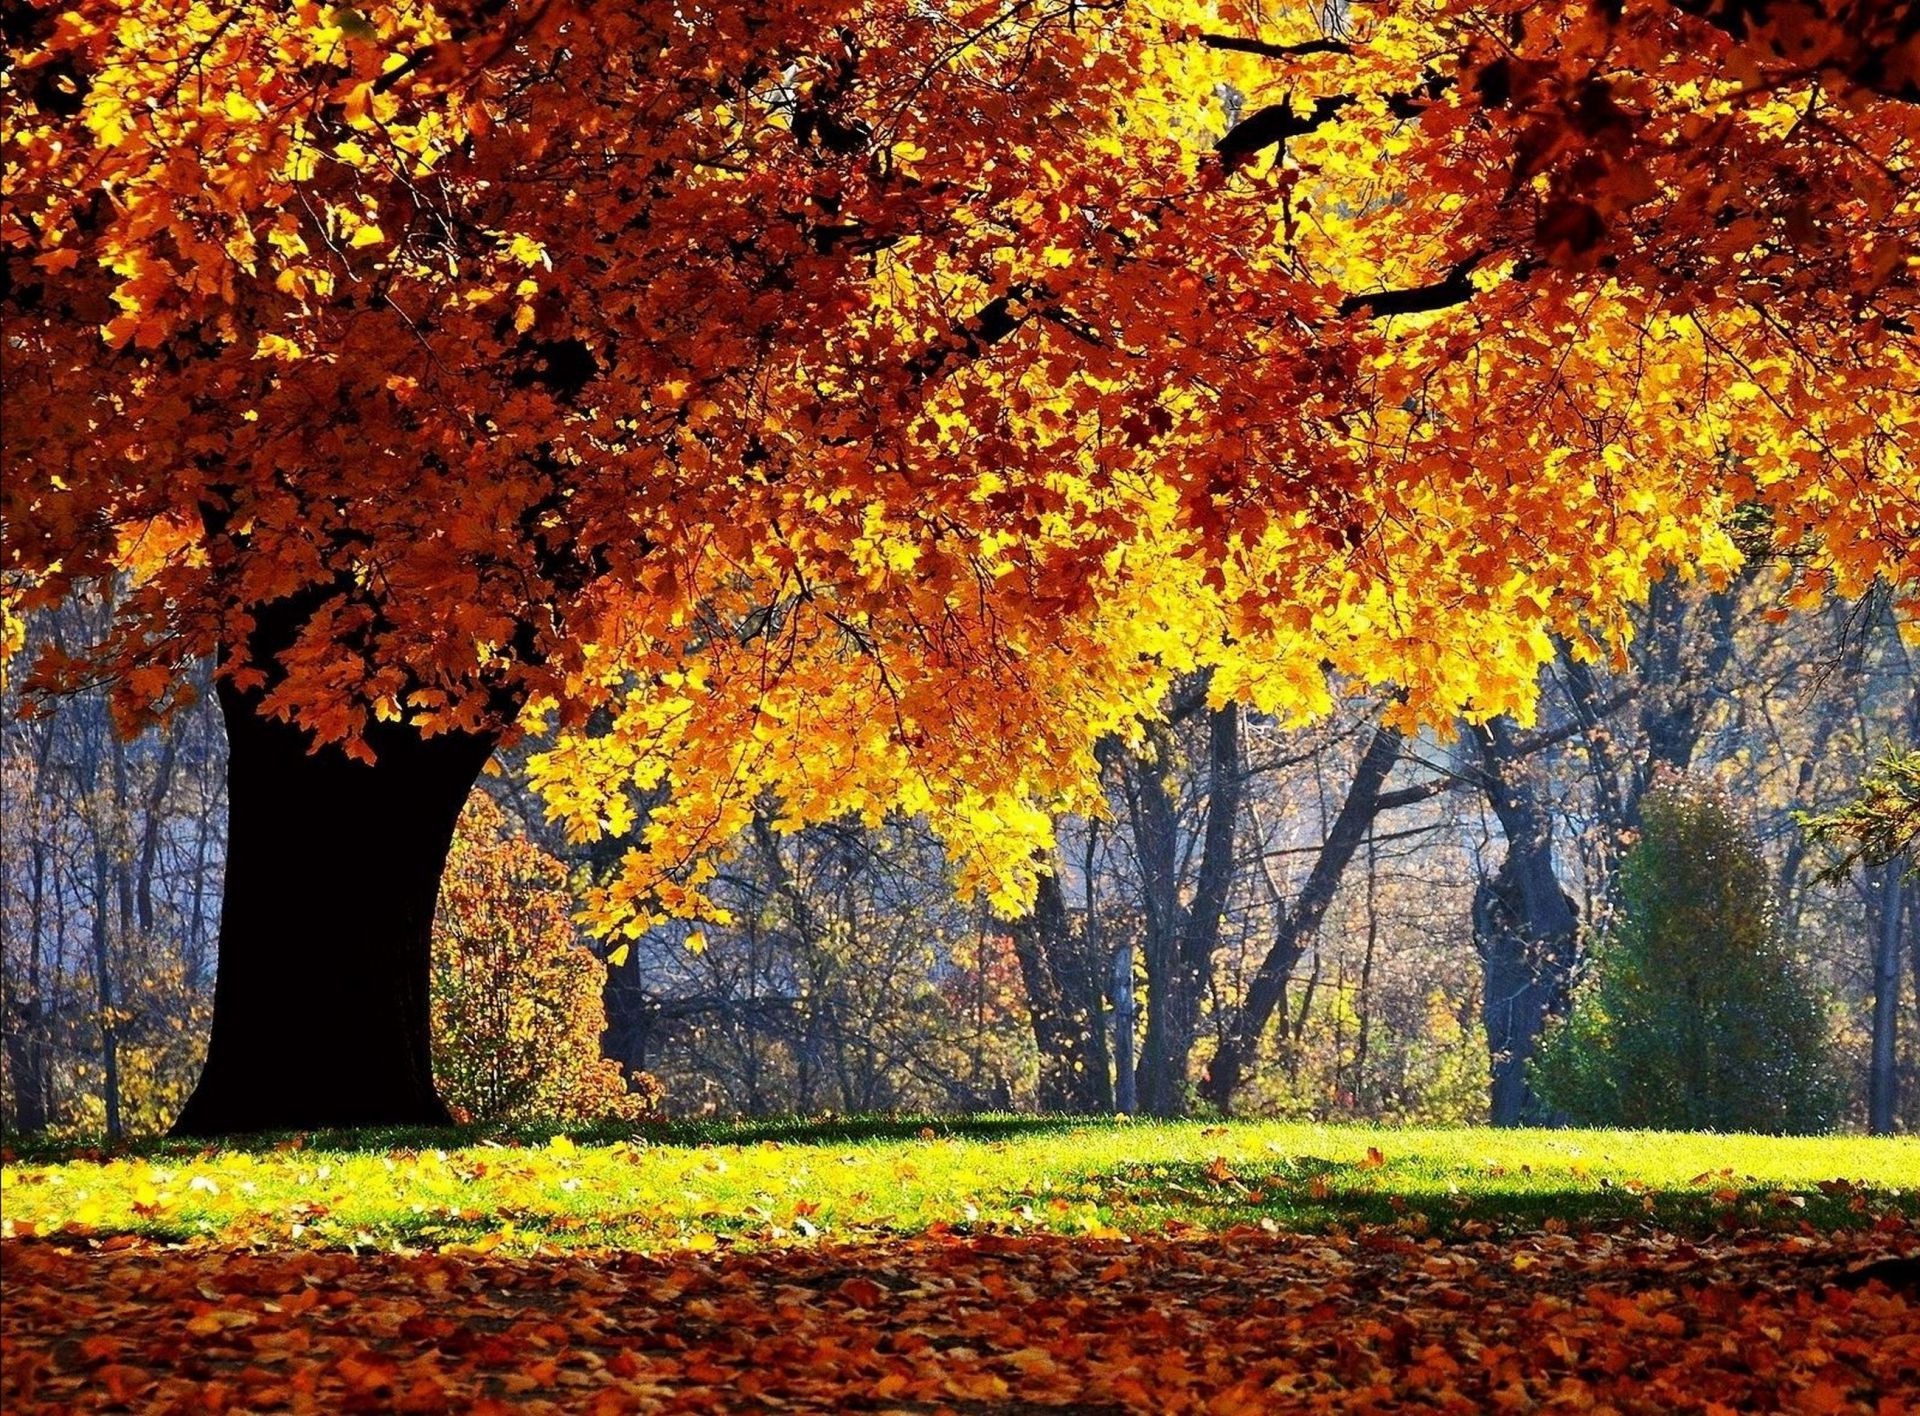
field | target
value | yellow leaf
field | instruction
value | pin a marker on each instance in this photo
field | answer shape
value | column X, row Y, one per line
column 529, row 252
column 277, row 346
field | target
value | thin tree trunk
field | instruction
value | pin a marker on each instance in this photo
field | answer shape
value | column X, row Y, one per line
column 150, row 827
column 26, row 1036
column 1883, row 1075
column 1126, row 1094
column 196, row 941
column 1151, row 810
column 103, row 984
column 1302, row 923
column 321, row 1013
column 1913, row 953
column 1365, row 1008
column 1296, row 1042
column 26, row 1019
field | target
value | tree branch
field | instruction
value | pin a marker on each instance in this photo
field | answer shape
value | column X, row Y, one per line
column 1275, row 124
column 1456, row 288
column 980, row 331
column 1517, row 748
column 1237, row 45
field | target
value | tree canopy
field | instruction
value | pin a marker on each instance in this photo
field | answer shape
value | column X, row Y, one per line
column 864, row 406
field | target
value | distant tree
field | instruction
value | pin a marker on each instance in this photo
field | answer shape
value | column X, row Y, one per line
column 1696, row 1014
column 517, row 1015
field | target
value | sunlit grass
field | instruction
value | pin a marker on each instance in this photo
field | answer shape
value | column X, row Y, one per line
column 704, row 1186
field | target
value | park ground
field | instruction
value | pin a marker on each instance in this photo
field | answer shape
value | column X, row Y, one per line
column 994, row 1266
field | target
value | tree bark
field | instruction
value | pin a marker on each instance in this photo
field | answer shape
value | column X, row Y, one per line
column 26, row 1067
column 320, row 1013
column 1913, row 953
column 25, row 1022
column 103, row 988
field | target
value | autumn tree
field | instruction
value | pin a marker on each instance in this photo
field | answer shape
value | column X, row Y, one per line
column 684, row 423
column 516, row 1005
column 853, row 407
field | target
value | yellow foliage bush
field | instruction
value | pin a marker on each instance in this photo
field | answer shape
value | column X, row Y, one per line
column 517, row 1011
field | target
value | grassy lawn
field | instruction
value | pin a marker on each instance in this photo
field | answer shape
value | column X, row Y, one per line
column 701, row 1187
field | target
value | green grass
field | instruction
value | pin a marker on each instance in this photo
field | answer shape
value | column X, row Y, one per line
column 785, row 1182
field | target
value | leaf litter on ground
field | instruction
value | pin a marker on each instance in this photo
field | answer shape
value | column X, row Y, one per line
column 1243, row 1322
column 1005, row 1268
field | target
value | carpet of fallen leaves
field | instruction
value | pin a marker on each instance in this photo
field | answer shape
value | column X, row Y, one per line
column 1248, row 1321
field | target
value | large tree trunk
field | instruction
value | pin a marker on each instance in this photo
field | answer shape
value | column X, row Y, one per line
column 1182, row 934
column 1525, row 927
column 1174, row 994
column 320, row 1011
column 1523, row 982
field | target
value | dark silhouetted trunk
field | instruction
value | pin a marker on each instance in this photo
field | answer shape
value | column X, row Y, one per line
column 1913, row 953
column 1062, row 972
column 1301, row 924
column 1525, row 928
column 23, row 1021
column 26, row 1069
column 320, row 1013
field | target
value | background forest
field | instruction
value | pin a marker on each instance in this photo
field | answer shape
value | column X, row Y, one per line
column 1332, row 923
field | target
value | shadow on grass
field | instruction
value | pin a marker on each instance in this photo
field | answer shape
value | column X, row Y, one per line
column 1309, row 1193
column 783, row 1130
